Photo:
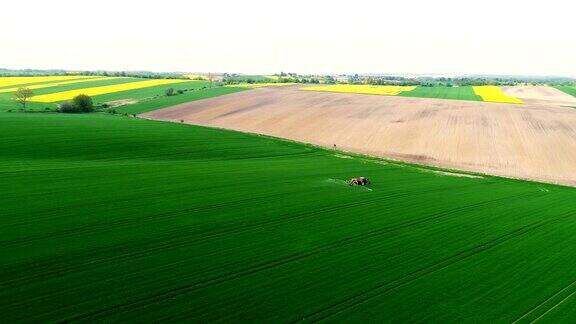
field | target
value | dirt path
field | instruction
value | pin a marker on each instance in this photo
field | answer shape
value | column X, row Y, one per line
column 522, row 141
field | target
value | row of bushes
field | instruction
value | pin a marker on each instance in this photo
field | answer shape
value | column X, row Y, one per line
column 171, row 92
column 79, row 104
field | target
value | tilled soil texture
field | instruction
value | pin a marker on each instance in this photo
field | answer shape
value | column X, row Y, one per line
column 542, row 95
column 531, row 141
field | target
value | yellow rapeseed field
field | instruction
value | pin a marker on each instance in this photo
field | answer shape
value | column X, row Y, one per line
column 95, row 91
column 13, row 81
column 494, row 94
column 363, row 88
column 54, row 84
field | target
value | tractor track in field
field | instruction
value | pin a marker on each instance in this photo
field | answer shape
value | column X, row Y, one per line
column 233, row 229
column 52, row 213
column 360, row 298
column 176, row 292
column 119, row 223
column 185, row 156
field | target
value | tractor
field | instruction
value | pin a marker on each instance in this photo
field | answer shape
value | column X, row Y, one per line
column 360, row 181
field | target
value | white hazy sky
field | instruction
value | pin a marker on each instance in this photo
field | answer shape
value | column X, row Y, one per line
column 251, row 36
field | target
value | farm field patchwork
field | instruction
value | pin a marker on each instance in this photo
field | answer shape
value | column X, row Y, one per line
column 501, row 139
column 152, row 93
column 362, row 88
column 26, row 81
column 540, row 95
column 96, row 82
column 163, row 102
column 55, row 84
column 482, row 93
column 147, row 94
column 494, row 94
column 439, row 92
column 95, row 91
column 197, row 224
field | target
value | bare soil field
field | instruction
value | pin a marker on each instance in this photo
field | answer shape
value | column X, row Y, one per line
column 542, row 95
column 531, row 141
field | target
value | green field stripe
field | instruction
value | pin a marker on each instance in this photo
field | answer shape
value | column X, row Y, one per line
column 164, row 102
column 440, row 92
column 567, row 89
column 147, row 96
column 82, row 85
column 44, row 82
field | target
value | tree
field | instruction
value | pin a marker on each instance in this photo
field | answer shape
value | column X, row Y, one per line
column 169, row 92
column 22, row 95
column 83, row 103
column 210, row 79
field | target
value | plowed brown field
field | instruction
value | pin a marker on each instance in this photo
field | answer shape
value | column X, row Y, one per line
column 543, row 95
column 532, row 141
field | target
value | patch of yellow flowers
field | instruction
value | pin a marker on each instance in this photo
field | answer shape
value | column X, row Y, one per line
column 95, row 91
column 385, row 90
column 495, row 94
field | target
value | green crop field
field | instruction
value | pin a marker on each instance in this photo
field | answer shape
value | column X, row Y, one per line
column 113, row 219
column 458, row 93
column 567, row 89
column 164, row 101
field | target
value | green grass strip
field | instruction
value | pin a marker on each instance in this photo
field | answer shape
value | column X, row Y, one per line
column 440, row 92
column 164, row 101
column 567, row 89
